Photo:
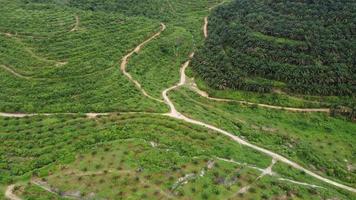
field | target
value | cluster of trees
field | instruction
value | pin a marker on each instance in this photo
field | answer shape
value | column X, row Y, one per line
column 307, row 44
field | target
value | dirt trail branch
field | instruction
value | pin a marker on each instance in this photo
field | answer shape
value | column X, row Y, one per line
column 76, row 25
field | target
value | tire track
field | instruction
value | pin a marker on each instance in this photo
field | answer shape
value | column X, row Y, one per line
column 76, row 25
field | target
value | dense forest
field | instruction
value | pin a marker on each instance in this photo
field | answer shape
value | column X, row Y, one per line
column 298, row 46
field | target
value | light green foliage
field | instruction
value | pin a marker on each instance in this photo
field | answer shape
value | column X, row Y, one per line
column 69, row 71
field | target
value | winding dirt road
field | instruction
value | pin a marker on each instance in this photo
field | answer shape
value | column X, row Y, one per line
column 195, row 88
column 205, row 28
column 206, row 21
column 137, row 50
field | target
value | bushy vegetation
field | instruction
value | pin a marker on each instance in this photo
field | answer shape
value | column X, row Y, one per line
column 303, row 47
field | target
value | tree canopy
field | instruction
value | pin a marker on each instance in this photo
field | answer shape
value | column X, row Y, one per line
column 299, row 46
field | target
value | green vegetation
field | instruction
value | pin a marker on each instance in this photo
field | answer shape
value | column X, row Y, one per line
column 70, row 71
column 35, row 142
column 307, row 45
column 64, row 57
column 134, row 156
column 313, row 139
column 138, row 169
column 157, row 66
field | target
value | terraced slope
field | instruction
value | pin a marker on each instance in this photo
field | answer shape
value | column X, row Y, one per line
column 68, row 70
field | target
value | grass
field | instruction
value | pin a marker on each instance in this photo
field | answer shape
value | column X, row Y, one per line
column 156, row 172
column 315, row 140
column 43, row 143
column 264, row 98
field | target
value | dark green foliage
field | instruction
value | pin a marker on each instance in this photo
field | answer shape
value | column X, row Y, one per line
column 307, row 45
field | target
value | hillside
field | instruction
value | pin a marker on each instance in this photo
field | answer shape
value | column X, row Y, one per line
column 99, row 100
column 298, row 47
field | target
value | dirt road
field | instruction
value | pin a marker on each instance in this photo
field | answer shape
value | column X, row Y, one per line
column 9, row 193
column 206, row 95
column 125, row 60
column 205, row 28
